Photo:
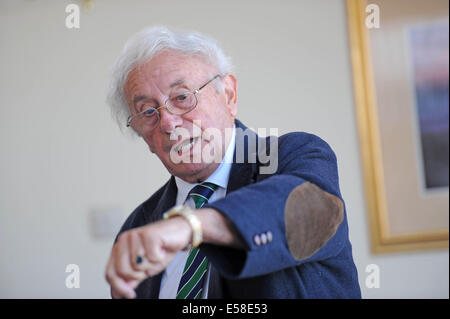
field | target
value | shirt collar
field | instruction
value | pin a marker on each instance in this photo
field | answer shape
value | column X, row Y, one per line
column 219, row 177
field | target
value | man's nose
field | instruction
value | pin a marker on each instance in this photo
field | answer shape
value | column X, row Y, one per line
column 169, row 121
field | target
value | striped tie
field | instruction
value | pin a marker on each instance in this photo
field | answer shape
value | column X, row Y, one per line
column 194, row 273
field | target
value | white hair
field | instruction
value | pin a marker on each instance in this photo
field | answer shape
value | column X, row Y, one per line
column 143, row 46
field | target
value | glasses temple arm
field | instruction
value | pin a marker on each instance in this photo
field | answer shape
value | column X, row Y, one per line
column 200, row 88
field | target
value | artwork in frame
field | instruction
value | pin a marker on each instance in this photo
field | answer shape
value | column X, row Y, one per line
column 400, row 79
column 428, row 49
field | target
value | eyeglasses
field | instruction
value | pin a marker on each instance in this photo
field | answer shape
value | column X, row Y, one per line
column 178, row 103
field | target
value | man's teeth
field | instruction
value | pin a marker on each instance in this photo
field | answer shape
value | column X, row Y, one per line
column 186, row 145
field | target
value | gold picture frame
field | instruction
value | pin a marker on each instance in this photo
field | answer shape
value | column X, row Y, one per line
column 381, row 216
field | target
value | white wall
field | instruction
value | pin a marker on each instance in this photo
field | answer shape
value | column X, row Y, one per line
column 62, row 156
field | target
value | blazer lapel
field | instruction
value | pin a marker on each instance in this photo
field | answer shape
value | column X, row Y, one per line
column 243, row 171
column 167, row 200
column 149, row 288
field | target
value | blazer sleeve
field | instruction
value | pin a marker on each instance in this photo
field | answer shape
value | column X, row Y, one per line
column 259, row 208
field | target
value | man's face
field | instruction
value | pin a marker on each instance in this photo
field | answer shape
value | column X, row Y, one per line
column 166, row 74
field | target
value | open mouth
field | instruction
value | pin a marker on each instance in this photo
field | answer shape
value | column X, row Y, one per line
column 186, row 145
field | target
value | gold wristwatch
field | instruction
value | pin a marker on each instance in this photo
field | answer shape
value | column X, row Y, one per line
column 188, row 214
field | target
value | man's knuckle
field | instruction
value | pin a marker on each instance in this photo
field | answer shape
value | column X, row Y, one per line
column 145, row 236
column 122, row 238
column 121, row 273
column 109, row 274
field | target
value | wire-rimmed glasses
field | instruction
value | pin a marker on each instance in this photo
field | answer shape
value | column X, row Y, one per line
column 178, row 103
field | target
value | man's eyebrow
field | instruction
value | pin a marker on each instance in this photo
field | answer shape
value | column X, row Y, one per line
column 139, row 98
column 176, row 83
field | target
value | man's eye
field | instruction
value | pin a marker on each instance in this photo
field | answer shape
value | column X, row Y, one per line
column 181, row 97
column 150, row 111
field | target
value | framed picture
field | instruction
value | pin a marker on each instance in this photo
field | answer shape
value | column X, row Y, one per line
column 400, row 59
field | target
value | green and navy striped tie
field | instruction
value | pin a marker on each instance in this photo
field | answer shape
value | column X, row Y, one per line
column 194, row 273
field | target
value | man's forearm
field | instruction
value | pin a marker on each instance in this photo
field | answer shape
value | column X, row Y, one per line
column 217, row 229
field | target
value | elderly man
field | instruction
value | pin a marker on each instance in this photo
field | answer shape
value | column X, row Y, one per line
column 223, row 225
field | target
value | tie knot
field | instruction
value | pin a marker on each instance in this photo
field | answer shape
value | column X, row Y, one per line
column 201, row 193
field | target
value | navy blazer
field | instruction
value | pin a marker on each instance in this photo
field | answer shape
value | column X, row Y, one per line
column 255, row 205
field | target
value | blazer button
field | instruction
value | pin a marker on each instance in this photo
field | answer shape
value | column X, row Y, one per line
column 257, row 240
column 269, row 236
column 263, row 238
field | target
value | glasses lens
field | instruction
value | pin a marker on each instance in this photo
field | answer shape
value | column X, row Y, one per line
column 182, row 102
column 149, row 118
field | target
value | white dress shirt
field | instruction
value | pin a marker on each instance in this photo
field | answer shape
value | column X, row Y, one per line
column 172, row 275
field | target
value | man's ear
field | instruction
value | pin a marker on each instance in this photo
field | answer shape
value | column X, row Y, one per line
column 229, row 83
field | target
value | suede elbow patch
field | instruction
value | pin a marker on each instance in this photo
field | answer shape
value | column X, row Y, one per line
column 312, row 216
